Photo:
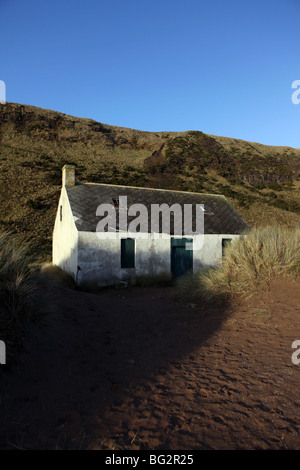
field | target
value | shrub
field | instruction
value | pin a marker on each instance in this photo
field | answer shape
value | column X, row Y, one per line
column 275, row 186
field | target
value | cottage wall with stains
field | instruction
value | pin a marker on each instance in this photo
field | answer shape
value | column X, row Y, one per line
column 99, row 260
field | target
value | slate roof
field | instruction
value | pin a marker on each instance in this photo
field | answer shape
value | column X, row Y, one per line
column 220, row 216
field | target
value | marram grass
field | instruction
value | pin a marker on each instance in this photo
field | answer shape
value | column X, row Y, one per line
column 16, row 287
column 250, row 264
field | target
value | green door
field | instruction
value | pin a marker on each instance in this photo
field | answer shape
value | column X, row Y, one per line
column 181, row 258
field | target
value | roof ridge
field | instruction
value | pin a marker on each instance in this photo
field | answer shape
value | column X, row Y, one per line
column 152, row 189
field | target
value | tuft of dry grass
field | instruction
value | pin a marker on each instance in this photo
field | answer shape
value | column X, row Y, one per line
column 16, row 286
column 52, row 273
column 250, row 265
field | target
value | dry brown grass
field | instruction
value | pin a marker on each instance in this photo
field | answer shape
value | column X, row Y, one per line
column 16, row 287
column 250, row 265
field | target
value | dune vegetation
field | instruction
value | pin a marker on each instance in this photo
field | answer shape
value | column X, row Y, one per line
column 16, row 287
column 250, row 264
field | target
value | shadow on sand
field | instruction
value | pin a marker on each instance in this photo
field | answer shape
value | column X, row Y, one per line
column 87, row 378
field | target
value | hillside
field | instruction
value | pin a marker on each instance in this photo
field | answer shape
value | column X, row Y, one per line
column 261, row 181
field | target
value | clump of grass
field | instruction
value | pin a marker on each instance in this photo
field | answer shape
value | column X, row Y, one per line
column 188, row 286
column 250, row 264
column 52, row 273
column 16, row 286
column 158, row 280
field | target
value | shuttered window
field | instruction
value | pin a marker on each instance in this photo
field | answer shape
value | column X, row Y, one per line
column 127, row 253
column 225, row 242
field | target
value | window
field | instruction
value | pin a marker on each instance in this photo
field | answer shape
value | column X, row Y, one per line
column 60, row 213
column 127, row 253
column 225, row 242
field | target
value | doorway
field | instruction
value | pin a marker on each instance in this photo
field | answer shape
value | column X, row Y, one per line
column 181, row 258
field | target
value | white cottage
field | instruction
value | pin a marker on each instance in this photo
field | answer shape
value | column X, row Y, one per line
column 87, row 257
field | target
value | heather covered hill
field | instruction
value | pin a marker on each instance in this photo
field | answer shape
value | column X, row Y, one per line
column 261, row 181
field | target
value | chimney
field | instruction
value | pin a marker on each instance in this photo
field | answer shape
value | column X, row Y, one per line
column 68, row 175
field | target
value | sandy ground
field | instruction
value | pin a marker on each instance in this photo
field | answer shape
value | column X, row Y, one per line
column 138, row 369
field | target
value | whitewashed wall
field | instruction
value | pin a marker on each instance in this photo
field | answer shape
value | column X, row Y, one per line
column 211, row 252
column 100, row 260
column 65, row 237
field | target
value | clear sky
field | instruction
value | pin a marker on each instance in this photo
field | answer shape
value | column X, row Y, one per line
column 222, row 67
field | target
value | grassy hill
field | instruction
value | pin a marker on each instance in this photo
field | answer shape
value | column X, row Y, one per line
column 261, row 181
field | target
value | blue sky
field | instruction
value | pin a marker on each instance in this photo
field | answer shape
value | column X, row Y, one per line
column 225, row 68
